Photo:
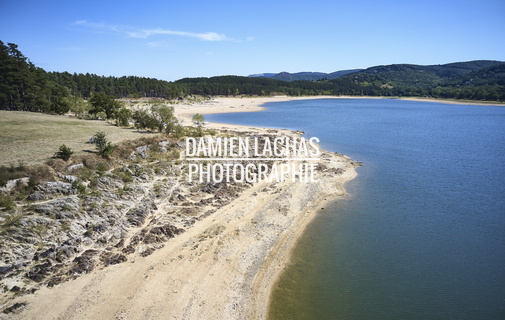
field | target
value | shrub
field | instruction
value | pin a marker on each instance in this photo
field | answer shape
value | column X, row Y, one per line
column 64, row 153
column 123, row 116
column 173, row 154
column 41, row 173
column 102, row 168
column 59, row 165
column 90, row 161
column 6, row 202
column 103, row 146
column 199, row 121
column 79, row 186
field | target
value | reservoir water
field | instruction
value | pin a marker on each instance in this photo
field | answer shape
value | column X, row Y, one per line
column 421, row 234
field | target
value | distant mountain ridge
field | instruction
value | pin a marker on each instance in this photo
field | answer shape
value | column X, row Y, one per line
column 435, row 72
column 472, row 80
column 305, row 76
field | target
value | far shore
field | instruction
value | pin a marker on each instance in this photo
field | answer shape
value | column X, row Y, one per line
column 253, row 104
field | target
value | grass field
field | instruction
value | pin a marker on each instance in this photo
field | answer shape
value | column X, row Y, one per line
column 34, row 137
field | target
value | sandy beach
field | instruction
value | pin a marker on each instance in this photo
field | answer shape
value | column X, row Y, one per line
column 227, row 105
column 223, row 267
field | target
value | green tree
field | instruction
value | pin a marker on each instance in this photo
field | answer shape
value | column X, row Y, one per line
column 166, row 118
column 60, row 105
column 145, row 120
column 179, row 130
column 123, row 117
column 78, row 105
column 199, row 121
column 64, row 153
column 101, row 102
column 103, row 146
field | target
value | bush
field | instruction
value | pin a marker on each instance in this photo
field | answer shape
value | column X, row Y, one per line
column 79, row 186
column 102, row 168
column 103, row 146
column 40, row 173
column 59, row 165
column 123, row 116
column 35, row 173
column 64, row 153
column 6, row 202
column 199, row 121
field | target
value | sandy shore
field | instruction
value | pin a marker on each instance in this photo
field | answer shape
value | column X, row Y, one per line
column 222, row 268
column 228, row 105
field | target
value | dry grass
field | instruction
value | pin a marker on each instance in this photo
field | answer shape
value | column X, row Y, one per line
column 33, row 138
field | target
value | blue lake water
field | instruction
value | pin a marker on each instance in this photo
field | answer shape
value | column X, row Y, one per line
column 421, row 234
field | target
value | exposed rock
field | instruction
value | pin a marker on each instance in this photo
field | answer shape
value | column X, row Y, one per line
column 37, row 196
column 142, row 151
column 15, row 308
column 106, row 181
column 85, row 262
column 109, row 258
column 11, row 184
column 5, row 270
column 64, row 233
column 56, row 187
column 40, row 271
column 59, row 208
column 148, row 251
column 164, row 145
column 137, row 215
column 75, row 166
column 68, row 177
column 161, row 233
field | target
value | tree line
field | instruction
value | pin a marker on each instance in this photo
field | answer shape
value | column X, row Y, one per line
column 23, row 86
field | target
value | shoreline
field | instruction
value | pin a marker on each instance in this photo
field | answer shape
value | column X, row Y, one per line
column 239, row 104
column 280, row 253
column 238, row 251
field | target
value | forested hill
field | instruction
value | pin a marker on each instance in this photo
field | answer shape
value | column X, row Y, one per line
column 119, row 87
column 416, row 75
column 473, row 80
column 24, row 86
column 443, row 71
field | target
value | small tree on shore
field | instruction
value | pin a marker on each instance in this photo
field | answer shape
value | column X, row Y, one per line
column 166, row 118
column 64, row 153
column 199, row 121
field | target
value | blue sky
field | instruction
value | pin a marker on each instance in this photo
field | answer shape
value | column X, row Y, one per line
column 174, row 39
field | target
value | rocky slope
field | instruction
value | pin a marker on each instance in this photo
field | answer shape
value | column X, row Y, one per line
column 94, row 215
column 90, row 218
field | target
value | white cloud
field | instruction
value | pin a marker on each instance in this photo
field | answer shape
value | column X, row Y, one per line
column 146, row 33
column 208, row 36
column 98, row 25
